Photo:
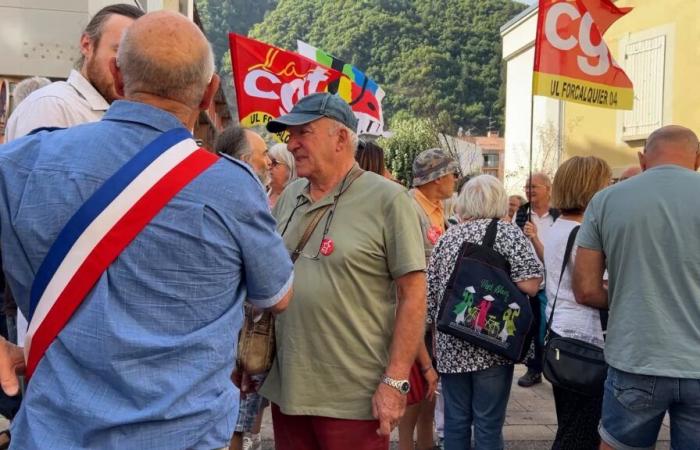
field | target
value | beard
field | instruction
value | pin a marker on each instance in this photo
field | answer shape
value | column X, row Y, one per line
column 101, row 80
column 265, row 178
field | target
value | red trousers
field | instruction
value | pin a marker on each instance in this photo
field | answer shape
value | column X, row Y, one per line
column 325, row 433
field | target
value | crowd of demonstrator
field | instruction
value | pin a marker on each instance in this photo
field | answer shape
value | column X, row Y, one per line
column 134, row 346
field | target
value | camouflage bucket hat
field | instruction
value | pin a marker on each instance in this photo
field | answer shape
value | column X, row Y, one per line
column 432, row 164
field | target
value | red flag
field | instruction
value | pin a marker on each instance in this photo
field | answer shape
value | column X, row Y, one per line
column 269, row 80
column 572, row 61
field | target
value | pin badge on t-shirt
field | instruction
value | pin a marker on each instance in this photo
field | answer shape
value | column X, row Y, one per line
column 327, row 246
column 434, row 234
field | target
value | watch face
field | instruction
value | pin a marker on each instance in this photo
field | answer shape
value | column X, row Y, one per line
column 405, row 387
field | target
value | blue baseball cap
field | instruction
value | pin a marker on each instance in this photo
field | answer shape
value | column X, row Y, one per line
column 313, row 107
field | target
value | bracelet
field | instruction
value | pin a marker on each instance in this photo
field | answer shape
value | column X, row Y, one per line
column 424, row 370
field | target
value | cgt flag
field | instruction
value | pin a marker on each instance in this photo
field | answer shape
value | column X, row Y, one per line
column 269, row 81
column 572, row 61
column 362, row 93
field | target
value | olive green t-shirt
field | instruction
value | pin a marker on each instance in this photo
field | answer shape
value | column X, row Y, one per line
column 333, row 340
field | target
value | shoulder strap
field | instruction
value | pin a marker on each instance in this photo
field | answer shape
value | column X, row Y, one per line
column 491, row 231
column 308, row 232
column 319, row 214
column 103, row 227
column 567, row 256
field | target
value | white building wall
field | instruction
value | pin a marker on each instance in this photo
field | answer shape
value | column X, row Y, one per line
column 40, row 37
column 518, row 54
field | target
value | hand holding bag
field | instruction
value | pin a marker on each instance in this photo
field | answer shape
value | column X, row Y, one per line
column 569, row 363
column 256, row 343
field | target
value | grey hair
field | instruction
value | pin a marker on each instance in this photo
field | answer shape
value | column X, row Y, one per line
column 483, row 197
column 26, row 87
column 279, row 152
column 184, row 83
column 354, row 139
column 544, row 177
column 233, row 142
column 95, row 27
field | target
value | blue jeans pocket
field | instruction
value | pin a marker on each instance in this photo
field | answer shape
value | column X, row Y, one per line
column 634, row 392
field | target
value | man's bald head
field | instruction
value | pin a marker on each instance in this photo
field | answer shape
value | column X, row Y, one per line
column 166, row 55
column 630, row 172
column 672, row 144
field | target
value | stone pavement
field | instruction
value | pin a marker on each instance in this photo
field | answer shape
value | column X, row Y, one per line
column 531, row 422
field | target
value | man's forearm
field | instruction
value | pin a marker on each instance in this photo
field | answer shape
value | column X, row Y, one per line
column 595, row 297
column 409, row 328
column 588, row 278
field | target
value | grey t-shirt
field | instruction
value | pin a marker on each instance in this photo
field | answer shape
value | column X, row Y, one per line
column 648, row 227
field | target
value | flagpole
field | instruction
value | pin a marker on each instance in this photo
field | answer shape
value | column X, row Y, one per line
column 532, row 136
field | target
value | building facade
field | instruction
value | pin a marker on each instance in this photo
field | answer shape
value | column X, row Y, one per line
column 656, row 45
column 40, row 38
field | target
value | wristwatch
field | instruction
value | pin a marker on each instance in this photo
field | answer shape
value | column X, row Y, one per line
column 402, row 386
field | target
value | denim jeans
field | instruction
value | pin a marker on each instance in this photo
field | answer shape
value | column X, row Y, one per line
column 539, row 306
column 634, row 406
column 480, row 399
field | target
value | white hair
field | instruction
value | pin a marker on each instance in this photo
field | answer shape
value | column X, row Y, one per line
column 280, row 153
column 483, row 197
column 26, row 87
column 352, row 135
column 185, row 83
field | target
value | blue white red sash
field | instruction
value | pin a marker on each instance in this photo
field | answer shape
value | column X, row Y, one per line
column 103, row 226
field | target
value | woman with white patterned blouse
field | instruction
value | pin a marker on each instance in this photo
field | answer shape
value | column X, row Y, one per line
column 476, row 383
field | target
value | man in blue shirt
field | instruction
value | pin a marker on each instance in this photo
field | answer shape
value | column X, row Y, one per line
column 144, row 362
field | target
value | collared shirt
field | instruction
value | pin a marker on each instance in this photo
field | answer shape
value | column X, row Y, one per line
column 647, row 228
column 145, row 361
column 333, row 341
column 434, row 210
column 432, row 220
column 61, row 104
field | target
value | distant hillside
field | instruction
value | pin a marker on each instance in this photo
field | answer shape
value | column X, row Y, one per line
column 431, row 57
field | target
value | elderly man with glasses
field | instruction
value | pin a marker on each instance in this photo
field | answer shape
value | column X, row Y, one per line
column 345, row 349
column 535, row 218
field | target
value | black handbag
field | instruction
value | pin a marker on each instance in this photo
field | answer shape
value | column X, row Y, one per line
column 482, row 305
column 569, row 363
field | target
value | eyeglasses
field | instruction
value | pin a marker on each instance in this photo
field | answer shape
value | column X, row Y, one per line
column 326, row 226
column 527, row 187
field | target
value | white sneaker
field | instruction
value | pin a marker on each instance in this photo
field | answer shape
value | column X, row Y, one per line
column 251, row 442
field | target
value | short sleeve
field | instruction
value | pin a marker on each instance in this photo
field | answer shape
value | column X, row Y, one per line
column 589, row 235
column 267, row 266
column 402, row 236
column 524, row 265
column 438, row 273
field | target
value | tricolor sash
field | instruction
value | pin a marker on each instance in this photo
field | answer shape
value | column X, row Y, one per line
column 102, row 227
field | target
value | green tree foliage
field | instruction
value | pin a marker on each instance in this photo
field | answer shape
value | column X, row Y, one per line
column 410, row 137
column 219, row 17
column 429, row 56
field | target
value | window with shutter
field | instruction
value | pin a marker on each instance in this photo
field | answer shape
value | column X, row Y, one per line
column 645, row 64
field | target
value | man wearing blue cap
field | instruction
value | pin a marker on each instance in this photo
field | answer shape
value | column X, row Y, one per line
column 346, row 345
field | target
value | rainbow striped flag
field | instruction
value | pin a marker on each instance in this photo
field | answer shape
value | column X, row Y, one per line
column 355, row 87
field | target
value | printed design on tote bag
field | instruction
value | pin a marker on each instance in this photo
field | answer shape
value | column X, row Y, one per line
column 477, row 318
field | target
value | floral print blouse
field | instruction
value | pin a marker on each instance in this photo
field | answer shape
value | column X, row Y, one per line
column 455, row 355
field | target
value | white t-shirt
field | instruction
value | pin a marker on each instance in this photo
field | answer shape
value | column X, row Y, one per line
column 570, row 318
column 61, row 104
